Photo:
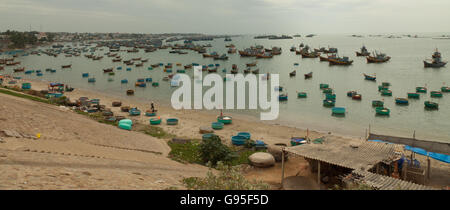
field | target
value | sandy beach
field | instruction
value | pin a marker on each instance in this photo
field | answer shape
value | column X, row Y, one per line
column 75, row 152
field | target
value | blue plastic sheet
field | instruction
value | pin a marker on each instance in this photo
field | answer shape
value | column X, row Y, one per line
column 441, row 157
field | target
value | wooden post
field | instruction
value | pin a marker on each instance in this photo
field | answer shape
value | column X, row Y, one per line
column 282, row 166
column 318, row 172
column 428, row 167
column 414, row 134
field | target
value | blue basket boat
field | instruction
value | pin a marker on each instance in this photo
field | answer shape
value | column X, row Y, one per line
column 172, row 121
column 247, row 135
column 238, row 140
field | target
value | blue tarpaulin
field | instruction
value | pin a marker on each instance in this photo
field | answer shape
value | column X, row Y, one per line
column 441, row 157
column 437, row 156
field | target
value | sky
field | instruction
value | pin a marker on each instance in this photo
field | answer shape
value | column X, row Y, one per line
column 227, row 16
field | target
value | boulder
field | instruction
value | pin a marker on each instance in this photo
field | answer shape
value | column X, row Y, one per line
column 261, row 159
column 204, row 130
column 275, row 150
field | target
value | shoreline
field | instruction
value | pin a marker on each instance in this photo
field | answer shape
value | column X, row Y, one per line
column 192, row 120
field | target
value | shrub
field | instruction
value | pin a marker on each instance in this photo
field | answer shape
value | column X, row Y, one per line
column 212, row 150
column 228, row 178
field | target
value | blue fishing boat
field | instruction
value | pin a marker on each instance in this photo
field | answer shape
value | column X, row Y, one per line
column 128, row 69
column 119, row 68
column 124, row 81
column 172, row 121
column 148, row 79
column 134, row 112
column 338, row 111
column 85, row 75
column 298, row 141
column 91, row 80
column 217, row 125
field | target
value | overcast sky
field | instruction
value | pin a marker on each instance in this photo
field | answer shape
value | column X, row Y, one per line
column 227, row 16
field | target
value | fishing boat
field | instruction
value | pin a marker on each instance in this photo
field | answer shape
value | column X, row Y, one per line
column 445, row 89
column 421, row 90
column 414, row 95
column 357, row 97
column 386, row 93
column 386, row 84
column 332, row 56
column 155, row 121
column 172, row 121
column 295, row 141
column 264, row 55
column 155, row 84
column 308, row 75
column 256, row 71
column 378, row 58
column 327, row 90
column 224, row 119
column 139, row 64
column 302, row 95
column 431, row 105
column 293, row 73
column 19, row 69
column 222, row 57
column 370, row 77
column 134, row 112
column 381, row 88
column 231, row 50
column 330, row 96
column 293, row 49
column 91, row 80
column 323, row 86
column 363, row 52
column 247, row 71
column 130, row 92
column 66, row 66
column 251, row 64
column 435, row 62
column 382, row 111
column 338, row 111
column 330, row 50
column 377, row 103
column 343, row 61
column 401, row 101
column 436, row 94
column 328, row 103
column 351, row 93
column 283, row 97
column 107, row 70
column 211, row 55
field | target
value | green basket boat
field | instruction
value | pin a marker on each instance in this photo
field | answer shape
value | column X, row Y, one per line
column 386, row 84
column 445, row 89
column 377, row 103
column 421, row 89
column 155, row 121
column 338, row 111
column 225, row 119
column 181, row 71
column 414, row 95
column 382, row 111
column 302, row 95
column 330, row 96
column 436, row 94
column 155, row 84
column 217, row 125
column 328, row 103
column 431, row 105
column 172, row 121
column 381, row 88
column 322, row 86
column 401, row 101
column 327, row 90
column 208, row 136
column 386, row 93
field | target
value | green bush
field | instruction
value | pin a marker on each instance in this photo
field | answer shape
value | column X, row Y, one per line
column 188, row 152
column 228, row 178
column 212, row 150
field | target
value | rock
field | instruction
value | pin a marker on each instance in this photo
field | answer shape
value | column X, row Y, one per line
column 204, row 130
column 262, row 159
column 2, row 141
column 9, row 133
column 325, row 179
column 275, row 150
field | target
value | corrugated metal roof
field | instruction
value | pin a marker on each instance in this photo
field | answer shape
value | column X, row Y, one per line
column 384, row 182
column 361, row 155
